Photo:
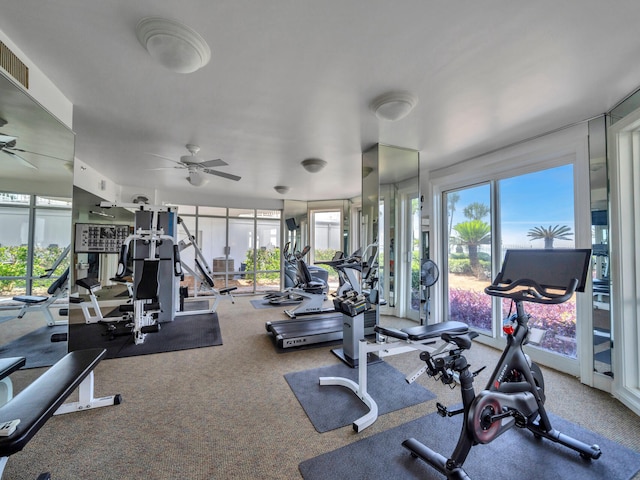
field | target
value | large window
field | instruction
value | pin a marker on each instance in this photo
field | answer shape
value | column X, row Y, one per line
column 530, row 196
column 241, row 246
column 33, row 239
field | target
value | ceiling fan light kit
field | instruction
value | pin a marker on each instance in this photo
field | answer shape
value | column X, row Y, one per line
column 173, row 45
column 393, row 106
column 313, row 165
column 196, row 179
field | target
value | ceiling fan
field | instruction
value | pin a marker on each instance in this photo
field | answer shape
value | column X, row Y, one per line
column 8, row 146
column 195, row 166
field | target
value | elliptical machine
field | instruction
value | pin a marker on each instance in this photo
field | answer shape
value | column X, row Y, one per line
column 514, row 395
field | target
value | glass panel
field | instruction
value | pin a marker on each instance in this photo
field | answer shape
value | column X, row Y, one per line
column 469, row 256
column 598, row 180
column 267, row 255
column 218, row 211
column 537, row 211
column 53, row 202
column 15, row 198
column 242, row 212
column 14, row 236
column 51, row 237
column 212, row 239
column 414, row 239
column 274, row 214
column 186, row 209
column 326, row 229
column 240, row 252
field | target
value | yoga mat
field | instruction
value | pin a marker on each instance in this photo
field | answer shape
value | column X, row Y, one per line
column 516, row 454
column 330, row 406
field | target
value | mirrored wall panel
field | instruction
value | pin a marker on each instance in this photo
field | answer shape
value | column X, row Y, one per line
column 36, row 160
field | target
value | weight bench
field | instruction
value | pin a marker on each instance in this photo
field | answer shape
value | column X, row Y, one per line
column 45, row 397
column 92, row 285
column 55, row 291
column 422, row 337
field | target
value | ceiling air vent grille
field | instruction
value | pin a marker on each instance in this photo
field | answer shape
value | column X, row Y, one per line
column 13, row 65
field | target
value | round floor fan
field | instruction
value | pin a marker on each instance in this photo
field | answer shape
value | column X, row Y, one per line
column 429, row 274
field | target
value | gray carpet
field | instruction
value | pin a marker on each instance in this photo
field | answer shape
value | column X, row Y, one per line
column 515, row 454
column 37, row 347
column 331, row 406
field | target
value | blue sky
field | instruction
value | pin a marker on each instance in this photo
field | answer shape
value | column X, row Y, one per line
column 539, row 199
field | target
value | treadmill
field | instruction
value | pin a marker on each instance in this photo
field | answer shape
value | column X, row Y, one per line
column 299, row 332
column 321, row 327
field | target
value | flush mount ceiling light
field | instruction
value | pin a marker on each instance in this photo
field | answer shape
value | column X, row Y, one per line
column 173, row 45
column 281, row 189
column 393, row 106
column 313, row 165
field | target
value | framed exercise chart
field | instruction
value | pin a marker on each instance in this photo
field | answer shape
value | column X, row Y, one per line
column 98, row 238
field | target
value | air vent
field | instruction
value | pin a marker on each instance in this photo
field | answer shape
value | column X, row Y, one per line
column 14, row 67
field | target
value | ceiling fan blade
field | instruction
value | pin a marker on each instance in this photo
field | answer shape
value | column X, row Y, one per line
column 39, row 154
column 166, row 168
column 19, row 158
column 166, row 158
column 222, row 174
column 213, row 163
column 7, row 139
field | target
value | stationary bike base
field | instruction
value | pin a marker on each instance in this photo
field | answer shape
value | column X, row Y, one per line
column 436, row 460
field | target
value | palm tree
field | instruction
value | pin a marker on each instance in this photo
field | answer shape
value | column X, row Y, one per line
column 473, row 233
column 476, row 211
column 550, row 234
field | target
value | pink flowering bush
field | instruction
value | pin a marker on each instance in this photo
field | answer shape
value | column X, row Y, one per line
column 558, row 321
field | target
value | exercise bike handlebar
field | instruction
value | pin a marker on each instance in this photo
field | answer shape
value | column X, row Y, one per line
column 533, row 293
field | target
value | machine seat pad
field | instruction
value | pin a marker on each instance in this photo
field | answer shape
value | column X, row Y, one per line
column 32, row 299
column 391, row 332
column 88, row 283
column 76, row 300
column 423, row 332
column 36, row 403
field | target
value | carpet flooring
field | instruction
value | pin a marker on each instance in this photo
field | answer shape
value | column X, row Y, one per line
column 185, row 332
column 515, row 454
column 331, row 406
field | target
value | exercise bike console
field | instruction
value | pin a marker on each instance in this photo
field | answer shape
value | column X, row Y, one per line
column 514, row 395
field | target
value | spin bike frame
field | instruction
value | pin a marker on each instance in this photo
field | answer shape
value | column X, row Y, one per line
column 514, row 395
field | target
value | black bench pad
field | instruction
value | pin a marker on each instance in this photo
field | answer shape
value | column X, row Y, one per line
column 424, row 332
column 39, row 401
column 30, row 299
column 10, row 365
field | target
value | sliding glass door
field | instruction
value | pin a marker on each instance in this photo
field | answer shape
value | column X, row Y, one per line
column 530, row 211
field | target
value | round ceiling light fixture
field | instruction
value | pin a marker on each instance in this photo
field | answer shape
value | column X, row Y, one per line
column 393, row 106
column 313, row 165
column 196, row 179
column 172, row 44
column 282, row 189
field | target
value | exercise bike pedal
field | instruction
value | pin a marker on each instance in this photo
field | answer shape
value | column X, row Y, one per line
column 445, row 412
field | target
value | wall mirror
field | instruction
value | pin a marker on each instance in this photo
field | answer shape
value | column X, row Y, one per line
column 35, row 242
column 323, row 226
column 391, row 221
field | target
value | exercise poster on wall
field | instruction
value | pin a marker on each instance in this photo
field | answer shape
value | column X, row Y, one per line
column 97, row 238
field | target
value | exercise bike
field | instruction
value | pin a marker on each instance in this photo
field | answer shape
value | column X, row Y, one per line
column 514, row 395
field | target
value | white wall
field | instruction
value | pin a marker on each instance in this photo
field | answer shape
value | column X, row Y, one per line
column 41, row 88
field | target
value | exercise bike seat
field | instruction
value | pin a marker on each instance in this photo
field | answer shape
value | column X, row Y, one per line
column 424, row 332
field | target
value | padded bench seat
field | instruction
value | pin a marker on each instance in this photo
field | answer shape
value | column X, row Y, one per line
column 424, row 332
column 39, row 401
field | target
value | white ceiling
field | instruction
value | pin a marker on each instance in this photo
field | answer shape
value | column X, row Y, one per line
column 292, row 79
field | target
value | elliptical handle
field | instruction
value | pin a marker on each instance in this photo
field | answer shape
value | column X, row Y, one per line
column 534, row 293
